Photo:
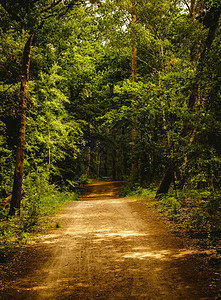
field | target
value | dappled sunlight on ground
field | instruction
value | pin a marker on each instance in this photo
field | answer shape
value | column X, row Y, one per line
column 113, row 249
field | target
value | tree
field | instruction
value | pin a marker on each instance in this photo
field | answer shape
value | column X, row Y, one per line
column 17, row 186
column 194, row 102
column 138, row 85
column 27, row 17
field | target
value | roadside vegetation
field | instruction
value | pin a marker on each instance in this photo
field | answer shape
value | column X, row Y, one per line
column 196, row 213
column 41, row 201
column 35, row 217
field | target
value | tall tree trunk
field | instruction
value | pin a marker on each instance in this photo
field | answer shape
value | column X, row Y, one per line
column 134, row 43
column 20, row 152
column 192, row 9
column 114, row 157
column 134, row 104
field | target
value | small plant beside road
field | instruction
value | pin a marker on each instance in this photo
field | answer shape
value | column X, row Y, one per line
column 18, row 230
column 196, row 212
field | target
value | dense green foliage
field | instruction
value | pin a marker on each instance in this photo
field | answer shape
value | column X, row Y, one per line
column 83, row 105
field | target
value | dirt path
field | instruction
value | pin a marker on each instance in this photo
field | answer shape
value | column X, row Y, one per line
column 109, row 248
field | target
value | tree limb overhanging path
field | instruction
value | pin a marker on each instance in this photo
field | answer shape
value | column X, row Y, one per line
column 109, row 248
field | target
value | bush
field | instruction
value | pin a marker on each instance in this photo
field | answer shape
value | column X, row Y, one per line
column 135, row 190
column 197, row 212
column 35, row 209
column 130, row 189
column 171, row 206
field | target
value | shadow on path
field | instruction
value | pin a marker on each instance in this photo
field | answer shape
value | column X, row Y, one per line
column 111, row 248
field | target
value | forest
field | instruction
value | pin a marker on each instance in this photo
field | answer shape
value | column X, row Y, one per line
column 124, row 90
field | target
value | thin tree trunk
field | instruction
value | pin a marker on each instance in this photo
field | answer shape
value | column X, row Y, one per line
column 20, row 152
column 134, row 44
column 201, row 8
column 105, row 165
column 192, row 9
column 99, row 165
column 88, row 161
column 49, row 146
column 114, row 157
column 166, row 181
column 134, row 104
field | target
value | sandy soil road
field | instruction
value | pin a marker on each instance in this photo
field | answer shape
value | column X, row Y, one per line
column 109, row 248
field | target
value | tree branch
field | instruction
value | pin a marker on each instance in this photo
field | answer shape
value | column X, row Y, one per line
column 50, row 6
column 8, row 88
column 185, row 2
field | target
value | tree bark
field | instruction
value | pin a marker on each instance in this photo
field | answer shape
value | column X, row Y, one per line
column 88, row 161
column 99, row 157
column 166, row 181
column 20, row 152
column 192, row 9
column 134, row 104
column 114, row 157
column 201, row 8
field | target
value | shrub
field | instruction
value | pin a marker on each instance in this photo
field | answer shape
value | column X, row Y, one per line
column 35, row 209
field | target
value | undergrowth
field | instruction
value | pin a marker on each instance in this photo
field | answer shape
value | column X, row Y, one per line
column 197, row 212
column 135, row 190
column 36, row 207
